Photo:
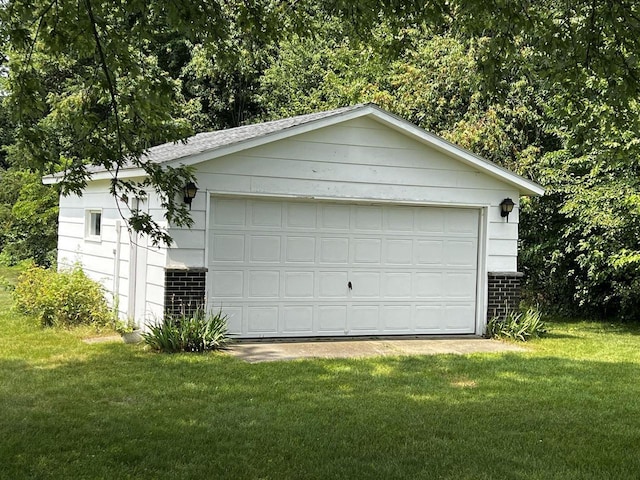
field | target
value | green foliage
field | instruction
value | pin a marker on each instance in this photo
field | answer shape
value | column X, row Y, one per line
column 28, row 218
column 520, row 326
column 7, row 128
column 61, row 299
column 580, row 241
column 198, row 332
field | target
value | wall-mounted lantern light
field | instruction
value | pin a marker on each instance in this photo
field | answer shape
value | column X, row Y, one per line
column 506, row 207
column 190, row 191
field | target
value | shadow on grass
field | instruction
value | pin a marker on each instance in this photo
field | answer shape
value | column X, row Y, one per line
column 113, row 411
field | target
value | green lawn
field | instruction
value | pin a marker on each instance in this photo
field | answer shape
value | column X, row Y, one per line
column 570, row 408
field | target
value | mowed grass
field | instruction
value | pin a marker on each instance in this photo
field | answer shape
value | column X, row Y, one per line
column 568, row 408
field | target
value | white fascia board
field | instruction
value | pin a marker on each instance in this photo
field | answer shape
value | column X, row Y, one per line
column 52, row 179
column 526, row 187
column 129, row 173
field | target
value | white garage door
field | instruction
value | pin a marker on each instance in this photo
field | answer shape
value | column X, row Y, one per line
column 292, row 268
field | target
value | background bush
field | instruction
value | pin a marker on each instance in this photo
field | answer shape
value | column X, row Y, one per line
column 198, row 332
column 61, row 299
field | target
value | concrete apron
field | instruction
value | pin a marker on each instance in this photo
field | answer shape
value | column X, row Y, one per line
column 271, row 351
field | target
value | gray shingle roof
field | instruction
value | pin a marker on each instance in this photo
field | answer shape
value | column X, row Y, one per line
column 207, row 141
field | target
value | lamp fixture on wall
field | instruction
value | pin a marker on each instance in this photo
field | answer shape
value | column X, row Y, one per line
column 506, row 207
column 190, row 191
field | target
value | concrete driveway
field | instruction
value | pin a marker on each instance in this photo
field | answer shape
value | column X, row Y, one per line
column 263, row 351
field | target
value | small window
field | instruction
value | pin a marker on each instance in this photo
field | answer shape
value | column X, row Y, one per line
column 93, row 224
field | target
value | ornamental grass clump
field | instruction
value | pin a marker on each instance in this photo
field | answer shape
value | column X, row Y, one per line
column 67, row 298
column 198, row 332
column 520, row 326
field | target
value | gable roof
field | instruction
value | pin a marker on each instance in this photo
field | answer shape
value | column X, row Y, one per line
column 209, row 145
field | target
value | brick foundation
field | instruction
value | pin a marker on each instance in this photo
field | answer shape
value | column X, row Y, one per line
column 504, row 293
column 184, row 290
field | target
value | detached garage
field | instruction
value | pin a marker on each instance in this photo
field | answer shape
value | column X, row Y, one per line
column 341, row 223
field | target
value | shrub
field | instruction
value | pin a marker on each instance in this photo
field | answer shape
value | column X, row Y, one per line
column 61, row 299
column 518, row 325
column 198, row 332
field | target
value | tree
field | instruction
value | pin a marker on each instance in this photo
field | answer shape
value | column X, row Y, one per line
column 87, row 88
column 28, row 217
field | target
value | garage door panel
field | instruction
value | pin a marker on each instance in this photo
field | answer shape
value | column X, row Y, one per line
column 461, row 221
column 459, row 285
column 334, row 250
column 366, row 250
column 456, row 317
column 368, row 218
column 365, row 284
column 335, row 217
column 429, row 220
column 300, row 249
column 297, row 319
column 429, row 285
column 262, row 320
column 396, row 318
column 264, row 284
column 264, row 248
column 333, row 284
column 429, row 252
column 266, row 214
column 234, row 318
column 399, row 219
column 429, row 318
column 398, row 251
column 298, row 285
column 332, row 319
column 364, row 319
column 228, row 248
column 396, row 285
column 301, row 215
column 228, row 213
column 282, row 268
column 461, row 253
column 227, row 283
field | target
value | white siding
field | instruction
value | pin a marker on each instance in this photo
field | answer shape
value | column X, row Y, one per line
column 98, row 257
column 362, row 160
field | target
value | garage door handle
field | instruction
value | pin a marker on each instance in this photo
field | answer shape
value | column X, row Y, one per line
column 350, row 286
